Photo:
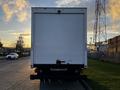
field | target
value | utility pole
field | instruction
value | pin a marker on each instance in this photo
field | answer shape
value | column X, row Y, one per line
column 100, row 33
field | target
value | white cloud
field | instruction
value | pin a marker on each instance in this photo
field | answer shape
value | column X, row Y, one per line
column 25, row 32
column 7, row 11
column 68, row 2
column 22, row 16
column 16, row 8
column 21, row 4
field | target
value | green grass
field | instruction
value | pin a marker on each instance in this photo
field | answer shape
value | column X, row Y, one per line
column 103, row 75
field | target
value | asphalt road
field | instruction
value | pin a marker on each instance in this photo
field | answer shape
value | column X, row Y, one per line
column 14, row 75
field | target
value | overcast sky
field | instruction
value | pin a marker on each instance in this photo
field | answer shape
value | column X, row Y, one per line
column 15, row 17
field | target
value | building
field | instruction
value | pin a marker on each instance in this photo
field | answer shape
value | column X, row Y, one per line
column 114, row 47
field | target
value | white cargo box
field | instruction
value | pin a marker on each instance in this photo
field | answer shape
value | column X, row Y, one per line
column 59, row 34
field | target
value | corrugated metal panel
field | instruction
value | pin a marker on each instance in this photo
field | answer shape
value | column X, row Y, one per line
column 59, row 36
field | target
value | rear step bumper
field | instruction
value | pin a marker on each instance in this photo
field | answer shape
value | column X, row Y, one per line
column 57, row 71
column 57, row 75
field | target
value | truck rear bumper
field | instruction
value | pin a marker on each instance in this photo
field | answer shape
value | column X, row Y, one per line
column 57, row 71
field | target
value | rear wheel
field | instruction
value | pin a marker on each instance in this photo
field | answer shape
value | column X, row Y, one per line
column 9, row 58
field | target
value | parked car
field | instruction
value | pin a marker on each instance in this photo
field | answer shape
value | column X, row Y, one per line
column 12, row 56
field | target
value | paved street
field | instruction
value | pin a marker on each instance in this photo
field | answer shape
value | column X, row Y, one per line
column 14, row 75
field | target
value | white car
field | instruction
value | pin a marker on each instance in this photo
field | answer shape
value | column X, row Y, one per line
column 12, row 56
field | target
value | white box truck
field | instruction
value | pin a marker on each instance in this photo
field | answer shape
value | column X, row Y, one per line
column 59, row 40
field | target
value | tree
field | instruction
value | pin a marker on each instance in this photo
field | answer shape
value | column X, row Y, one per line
column 1, row 45
column 19, row 45
column 1, row 48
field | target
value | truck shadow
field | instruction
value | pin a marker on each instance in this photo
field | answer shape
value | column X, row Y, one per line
column 61, row 85
column 68, row 85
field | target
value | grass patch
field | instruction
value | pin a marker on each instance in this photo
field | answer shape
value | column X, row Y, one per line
column 103, row 75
